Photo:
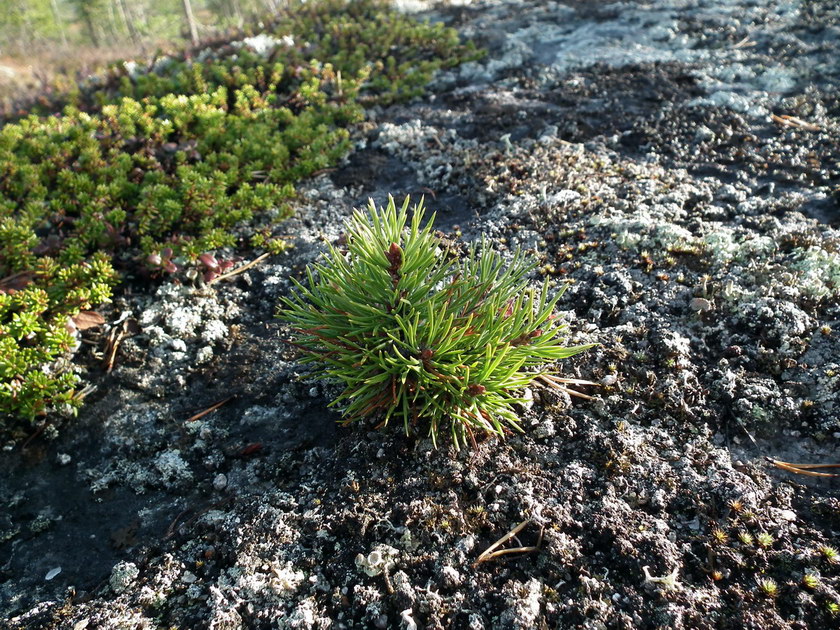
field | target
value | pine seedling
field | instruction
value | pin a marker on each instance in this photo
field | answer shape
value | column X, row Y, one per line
column 421, row 336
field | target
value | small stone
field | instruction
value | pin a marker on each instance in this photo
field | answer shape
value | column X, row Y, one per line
column 609, row 380
column 466, row 544
column 220, row 482
column 214, row 330
column 527, row 399
column 700, row 305
column 451, row 577
column 703, row 134
column 544, row 430
column 408, row 620
column 194, row 592
column 786, row 515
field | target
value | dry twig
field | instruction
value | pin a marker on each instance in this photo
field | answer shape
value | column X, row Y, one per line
column 793, row 121
column 119, row 330
column 744, row 43
column 491, row 552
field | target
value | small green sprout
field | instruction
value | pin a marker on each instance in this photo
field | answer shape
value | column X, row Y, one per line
column 417, row 334
column 764, row 540
column 829, row 553
column 810, row 580
column 745, row 538
column 769, row 587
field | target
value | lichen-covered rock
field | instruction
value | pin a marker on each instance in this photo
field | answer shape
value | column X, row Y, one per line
column 674, row 188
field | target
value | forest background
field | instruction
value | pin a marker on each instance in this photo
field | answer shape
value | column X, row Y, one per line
column 44, row 42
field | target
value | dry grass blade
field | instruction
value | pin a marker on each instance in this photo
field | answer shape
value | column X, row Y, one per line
column 239, row 270
column 804, row 469
column 121, row 330
column 793, row 121
column 559, row 384
column 493, row 550
column 744, row 43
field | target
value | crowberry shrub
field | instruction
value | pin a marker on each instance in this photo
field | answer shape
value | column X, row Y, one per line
column 416, row 334
column 158, row 169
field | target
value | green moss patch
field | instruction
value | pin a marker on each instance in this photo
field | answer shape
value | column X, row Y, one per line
column 153, row 170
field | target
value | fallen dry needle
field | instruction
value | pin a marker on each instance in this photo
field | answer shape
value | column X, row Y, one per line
column 804, row 469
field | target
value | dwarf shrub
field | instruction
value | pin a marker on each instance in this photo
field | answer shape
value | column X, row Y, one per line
column 419, row 335
column 35, row 330
column 393, row 54
column 149, row 172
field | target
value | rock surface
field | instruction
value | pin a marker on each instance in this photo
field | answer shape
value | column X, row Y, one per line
column 677, row 164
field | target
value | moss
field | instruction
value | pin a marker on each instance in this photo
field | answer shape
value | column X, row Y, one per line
column 154, row 168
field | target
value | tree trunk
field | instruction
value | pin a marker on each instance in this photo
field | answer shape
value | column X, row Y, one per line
column 128, row 21
column 26, row 32
column 272, row 5
column 90, row 27
column 191, row 22
column 59, row 22
column 238, row 13
column 112, row 22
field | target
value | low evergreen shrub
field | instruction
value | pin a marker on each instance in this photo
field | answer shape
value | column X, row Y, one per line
column 152, row 171
column 417, row 334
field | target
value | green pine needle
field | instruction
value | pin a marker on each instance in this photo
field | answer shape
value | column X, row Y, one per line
column 419, row 336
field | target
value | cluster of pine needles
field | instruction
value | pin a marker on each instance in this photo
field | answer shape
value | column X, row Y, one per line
column 418, row 335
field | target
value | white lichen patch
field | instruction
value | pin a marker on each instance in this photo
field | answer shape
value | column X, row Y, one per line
column 725, row 245
column 523, row 611
column 182, row 312
column 123, row 576
column 436, row 155
column 645, row 230
column 380, row 558
column 266, row 580
column 173, row 469
column 263, row 44
column 819, row 271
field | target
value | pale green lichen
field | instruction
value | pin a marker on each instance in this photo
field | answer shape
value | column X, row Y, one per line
column 819, row 271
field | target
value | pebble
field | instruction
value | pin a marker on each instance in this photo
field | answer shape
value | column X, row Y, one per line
column 700, row 305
